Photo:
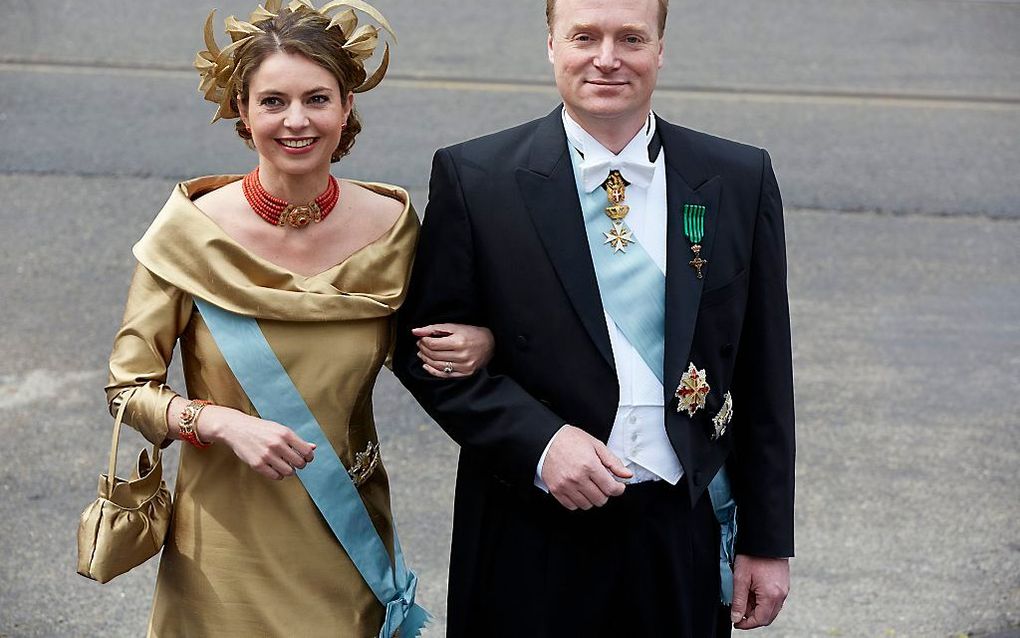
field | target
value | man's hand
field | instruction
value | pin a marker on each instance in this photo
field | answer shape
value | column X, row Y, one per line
column 579, row 469
column 760, row 585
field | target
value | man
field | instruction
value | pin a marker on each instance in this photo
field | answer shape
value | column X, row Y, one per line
column 633, row 274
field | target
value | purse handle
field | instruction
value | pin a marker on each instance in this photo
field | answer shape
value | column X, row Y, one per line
column 112, row 471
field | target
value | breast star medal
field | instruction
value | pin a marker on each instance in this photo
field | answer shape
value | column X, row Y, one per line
column 619, row 236
column 692, row 390
column 364, row 464
column 694, row 229
column 721, row 420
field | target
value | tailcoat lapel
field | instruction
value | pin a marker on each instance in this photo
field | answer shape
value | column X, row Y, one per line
column 687, row 182
column 550, row 195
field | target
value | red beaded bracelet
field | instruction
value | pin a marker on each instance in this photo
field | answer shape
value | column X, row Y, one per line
column 187, row 421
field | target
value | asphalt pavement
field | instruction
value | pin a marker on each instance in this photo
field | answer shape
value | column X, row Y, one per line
column 894, row 127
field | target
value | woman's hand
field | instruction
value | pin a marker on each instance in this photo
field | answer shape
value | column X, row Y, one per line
column 271, row 449
column 453, row 350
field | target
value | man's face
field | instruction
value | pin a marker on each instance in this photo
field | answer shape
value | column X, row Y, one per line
column 606, row 56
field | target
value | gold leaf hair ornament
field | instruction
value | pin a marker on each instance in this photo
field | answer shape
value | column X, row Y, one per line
column 361, row 41
column 216, row 67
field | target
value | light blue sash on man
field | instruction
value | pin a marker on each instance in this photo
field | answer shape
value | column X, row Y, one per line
column 633, row 292
column 271, row 391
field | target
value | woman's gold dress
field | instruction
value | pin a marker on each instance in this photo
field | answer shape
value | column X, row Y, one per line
column 248, row 556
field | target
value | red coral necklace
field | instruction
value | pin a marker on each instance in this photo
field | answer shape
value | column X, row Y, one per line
column 279, row 212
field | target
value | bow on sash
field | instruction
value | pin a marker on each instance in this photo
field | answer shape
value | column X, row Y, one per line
column 403, row 610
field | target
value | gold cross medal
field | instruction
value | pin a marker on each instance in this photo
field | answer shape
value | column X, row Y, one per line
column 694, row 229
column 619, row 236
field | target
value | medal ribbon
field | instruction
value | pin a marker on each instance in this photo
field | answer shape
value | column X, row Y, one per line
column 694, row 229
column 694, row 222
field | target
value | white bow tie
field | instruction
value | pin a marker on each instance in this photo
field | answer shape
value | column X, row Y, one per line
column 595, row 170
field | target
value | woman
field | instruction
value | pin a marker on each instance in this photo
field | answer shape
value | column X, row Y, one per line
column 322, row 266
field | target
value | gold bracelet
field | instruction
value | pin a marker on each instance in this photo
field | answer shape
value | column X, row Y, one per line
column 189, row 419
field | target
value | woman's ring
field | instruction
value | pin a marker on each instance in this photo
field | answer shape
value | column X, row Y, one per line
column 449, row 368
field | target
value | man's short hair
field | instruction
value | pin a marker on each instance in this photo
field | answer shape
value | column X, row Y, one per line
column 550, row 9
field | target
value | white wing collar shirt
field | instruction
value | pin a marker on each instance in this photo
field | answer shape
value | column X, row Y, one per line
column 638, row 436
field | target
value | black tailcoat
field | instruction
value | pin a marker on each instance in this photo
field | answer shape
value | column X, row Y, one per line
column 503, row 246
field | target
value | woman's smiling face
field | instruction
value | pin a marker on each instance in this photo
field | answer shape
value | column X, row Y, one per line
column 295, row 112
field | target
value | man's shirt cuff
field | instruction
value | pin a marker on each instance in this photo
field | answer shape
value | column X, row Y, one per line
column 539, row 483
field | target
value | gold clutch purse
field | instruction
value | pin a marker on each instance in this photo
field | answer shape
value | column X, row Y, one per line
column 127, row 524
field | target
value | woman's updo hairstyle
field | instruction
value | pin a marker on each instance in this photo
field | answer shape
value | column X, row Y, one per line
column 335, row 43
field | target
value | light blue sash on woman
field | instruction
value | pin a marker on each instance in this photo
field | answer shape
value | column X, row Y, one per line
column 633, row 292
column 271, row 391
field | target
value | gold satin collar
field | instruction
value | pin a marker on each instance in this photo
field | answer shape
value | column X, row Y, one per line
column 186, row 248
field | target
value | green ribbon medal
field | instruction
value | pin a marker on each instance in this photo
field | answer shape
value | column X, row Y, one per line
column 694, row 229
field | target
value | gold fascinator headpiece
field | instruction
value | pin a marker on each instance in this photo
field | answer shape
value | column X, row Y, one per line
column 217, row 66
